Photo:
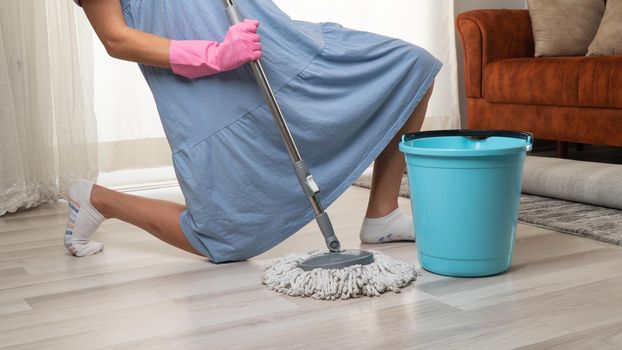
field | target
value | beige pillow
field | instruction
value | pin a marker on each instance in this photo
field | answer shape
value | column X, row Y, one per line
column 608, row 41
column 564, row 27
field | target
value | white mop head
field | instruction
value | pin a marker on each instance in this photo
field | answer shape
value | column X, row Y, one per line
column 383, row 275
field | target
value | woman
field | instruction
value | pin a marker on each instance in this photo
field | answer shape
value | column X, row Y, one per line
column 347, row 96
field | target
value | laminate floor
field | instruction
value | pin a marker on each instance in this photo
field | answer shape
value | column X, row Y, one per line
column 561, row 292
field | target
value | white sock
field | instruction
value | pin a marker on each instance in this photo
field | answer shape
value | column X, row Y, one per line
column 393, row 227
column 83, row 220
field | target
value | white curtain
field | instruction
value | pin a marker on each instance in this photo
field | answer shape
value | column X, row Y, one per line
column 48, row 133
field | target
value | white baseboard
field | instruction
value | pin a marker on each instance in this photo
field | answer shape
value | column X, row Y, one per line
column 138, row 179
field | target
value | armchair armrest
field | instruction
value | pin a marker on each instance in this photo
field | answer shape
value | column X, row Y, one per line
column 492, row 35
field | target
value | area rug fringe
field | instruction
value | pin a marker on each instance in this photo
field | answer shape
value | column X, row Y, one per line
column 383, row 275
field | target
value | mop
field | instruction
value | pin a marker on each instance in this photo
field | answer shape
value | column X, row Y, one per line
column 332, row 275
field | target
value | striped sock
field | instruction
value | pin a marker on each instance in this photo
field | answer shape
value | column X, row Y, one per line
column 82, row 221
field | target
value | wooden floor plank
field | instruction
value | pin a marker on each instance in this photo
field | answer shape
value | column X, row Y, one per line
column 606, row 337
column 12, row 306
column 87, row 341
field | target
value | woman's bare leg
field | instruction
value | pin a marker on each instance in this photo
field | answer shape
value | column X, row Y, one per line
column 389, row 167
column 158, row 217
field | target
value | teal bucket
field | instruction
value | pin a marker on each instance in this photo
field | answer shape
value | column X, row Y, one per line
column 465, row 188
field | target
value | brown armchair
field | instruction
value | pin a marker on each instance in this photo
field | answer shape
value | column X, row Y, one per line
column 574, row 99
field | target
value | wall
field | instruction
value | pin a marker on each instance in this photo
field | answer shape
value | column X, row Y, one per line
column 466, row 5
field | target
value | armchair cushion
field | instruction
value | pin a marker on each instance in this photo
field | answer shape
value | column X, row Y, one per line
column 607, row 40
column 561, row 81
column 564, row 27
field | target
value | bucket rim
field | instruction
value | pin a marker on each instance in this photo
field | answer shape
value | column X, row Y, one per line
column 458, row 152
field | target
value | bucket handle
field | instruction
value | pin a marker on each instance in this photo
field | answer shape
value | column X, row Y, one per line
column 483, row 134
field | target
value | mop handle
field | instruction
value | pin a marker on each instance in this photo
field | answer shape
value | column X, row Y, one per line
column 235, row 17
column 305, row 179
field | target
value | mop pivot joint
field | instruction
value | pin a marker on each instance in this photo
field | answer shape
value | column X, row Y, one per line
column 332, row 242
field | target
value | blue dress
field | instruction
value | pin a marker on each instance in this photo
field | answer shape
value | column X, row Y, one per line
column 344, row 93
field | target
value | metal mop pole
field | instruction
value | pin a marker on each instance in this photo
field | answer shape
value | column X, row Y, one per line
column 306, row 180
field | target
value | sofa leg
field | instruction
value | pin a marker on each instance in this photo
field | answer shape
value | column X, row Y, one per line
column 562, row 149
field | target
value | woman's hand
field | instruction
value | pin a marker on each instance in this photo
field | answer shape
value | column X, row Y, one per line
column 199, row 58
column 241, row 45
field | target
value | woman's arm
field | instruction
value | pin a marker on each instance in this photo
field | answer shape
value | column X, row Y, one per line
column 189, row 58
column 121, row 41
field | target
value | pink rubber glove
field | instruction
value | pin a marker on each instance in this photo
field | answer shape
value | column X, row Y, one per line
column 200, row 58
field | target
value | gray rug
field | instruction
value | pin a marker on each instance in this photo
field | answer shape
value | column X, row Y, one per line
column 603, row 224
column 592, row 183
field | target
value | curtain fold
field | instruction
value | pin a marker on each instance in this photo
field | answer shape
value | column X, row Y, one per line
column 48, row 132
